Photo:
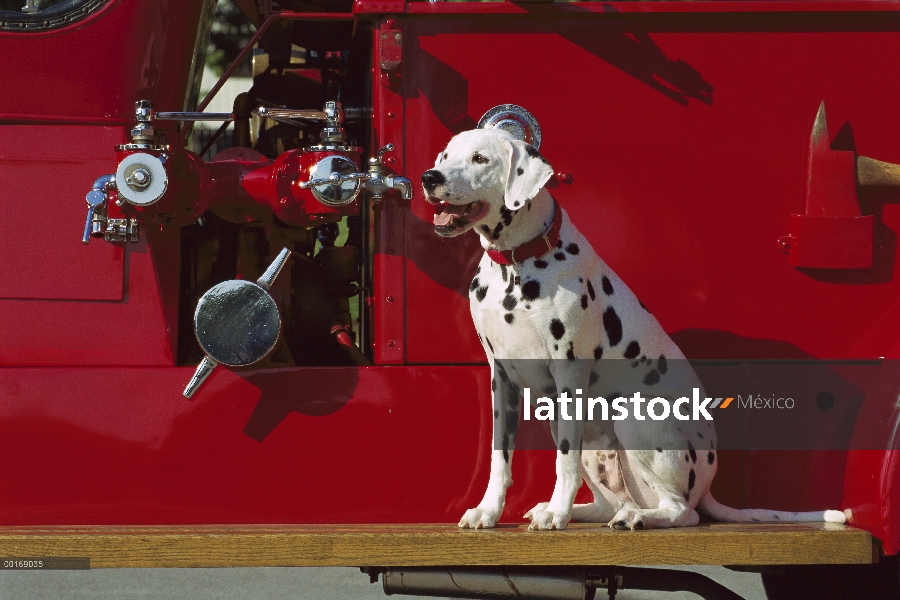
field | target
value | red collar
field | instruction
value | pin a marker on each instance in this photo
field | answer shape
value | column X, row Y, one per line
column 535, row 248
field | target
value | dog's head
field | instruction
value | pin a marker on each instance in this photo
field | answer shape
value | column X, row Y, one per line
column 479, row 173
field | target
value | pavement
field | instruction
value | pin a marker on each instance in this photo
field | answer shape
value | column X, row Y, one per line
column 271, row 583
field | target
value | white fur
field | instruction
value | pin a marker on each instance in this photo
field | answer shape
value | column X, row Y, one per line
column 632, row 488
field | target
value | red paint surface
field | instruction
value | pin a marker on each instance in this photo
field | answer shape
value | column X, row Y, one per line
column 684, row 198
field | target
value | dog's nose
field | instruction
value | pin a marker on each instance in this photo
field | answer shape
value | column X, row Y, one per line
column 432, row 178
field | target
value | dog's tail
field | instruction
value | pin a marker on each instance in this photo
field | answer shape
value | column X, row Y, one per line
column 719, row 512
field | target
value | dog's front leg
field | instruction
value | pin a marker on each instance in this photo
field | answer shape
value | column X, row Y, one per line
column 506, row 402
column 571, row 378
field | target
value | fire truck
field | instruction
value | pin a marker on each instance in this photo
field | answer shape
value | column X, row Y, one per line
column 262, row 355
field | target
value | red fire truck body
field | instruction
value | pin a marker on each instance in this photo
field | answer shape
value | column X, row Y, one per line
column 681, row 133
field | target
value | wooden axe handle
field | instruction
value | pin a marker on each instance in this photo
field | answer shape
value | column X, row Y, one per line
column 874, row 172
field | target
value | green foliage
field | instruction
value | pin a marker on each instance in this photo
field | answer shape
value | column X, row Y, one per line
column 230, row 33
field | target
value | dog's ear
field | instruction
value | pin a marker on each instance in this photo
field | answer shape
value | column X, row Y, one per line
column 528, row 172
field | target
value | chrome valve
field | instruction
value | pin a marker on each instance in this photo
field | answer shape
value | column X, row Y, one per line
column 380, row 181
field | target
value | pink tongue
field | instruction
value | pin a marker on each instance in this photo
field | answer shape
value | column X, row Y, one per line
column 447, row 217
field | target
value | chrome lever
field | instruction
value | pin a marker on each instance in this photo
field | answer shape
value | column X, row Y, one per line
column 96, row 201
column 287, row 113
column 192, row 116
column 335, row 179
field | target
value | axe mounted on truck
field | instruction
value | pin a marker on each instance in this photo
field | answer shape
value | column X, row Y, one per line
column 833, row 233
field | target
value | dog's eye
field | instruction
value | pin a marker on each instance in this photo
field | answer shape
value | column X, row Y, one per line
column 478, row 158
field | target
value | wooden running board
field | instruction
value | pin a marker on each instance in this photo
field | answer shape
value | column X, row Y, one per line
column 438, row 545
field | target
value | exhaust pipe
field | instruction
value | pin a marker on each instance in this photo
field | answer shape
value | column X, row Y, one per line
column 541, row 583
column 521, row 583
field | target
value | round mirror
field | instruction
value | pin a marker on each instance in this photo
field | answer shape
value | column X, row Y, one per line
column 344, row 192
column 237, row 323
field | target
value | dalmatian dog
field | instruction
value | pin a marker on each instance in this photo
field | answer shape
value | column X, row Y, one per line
column 550, row 313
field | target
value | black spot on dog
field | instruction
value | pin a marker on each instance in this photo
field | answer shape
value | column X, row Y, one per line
column 550, row 389
column 591, row 291
column 687, row 496
column 658, row 449
column 490, row 346
column 512, row 284
column 507, row 215
column 486, row 228
column 475, row 283
column 527, row 306
column 503, row 272
column 584, row 301
column 581, row 280
column 692, row 479
column 496, row 414
column 444, row 157
column 652, row 378
column 687, row 458
column 564, row 446
column 557, row 329
column 662, row 366
column 531, row 289
column 559, row 244
column 638, row 525
column 607, row 286
column 509, row 302
column 692, row 452
column 593, row 378
column 572, row 249
column 711, row 457
column 632, row 350
column 533, row 153
column 699, row 435
column 712, row 445
column 480, row 293
column 505, row 448
column 598, row 352
column 512, row 401
column 635, row 363
column 620, row 525
column 613, row 326
column 559, row 256
column 515, row 203
column 570, row 354
column 508, row 317
column 497, row 230
column 494, row 384
column 520, row 171
column 540, row 264
column 556, row 346
column 528, row 205
column 776, row 517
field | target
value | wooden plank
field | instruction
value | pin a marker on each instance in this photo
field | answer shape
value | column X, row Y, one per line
column 439, row 545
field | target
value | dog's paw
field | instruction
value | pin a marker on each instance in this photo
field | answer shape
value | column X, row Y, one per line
column 543, row 519
column 627, row 518
column 479, row 518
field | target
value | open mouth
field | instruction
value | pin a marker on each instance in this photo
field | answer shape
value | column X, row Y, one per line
column 454, row 218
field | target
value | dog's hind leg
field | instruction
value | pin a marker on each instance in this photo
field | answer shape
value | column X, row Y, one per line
column 663, row 501
column 507, row 399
